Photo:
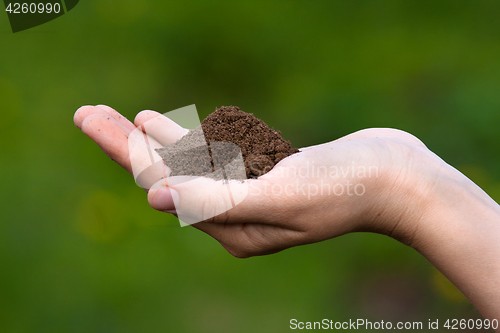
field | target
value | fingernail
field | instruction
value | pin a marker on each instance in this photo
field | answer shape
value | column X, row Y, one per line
column 163, row 199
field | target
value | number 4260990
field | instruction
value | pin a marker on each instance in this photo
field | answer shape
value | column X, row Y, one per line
column 33, row 8
column 455, row 324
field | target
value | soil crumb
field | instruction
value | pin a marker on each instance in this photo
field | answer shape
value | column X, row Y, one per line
column 227, row 130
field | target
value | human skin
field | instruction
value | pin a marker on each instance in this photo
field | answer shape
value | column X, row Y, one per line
column 414, row 197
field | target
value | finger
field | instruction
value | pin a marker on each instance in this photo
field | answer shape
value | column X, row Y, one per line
column 84, row 112
column 133, row 150
column 198, row 199
column 147, row 166
column 87, row 110
column 121, row 119
column 111, row 137
column 162, row 198
column 164, row 130
column 201, row 198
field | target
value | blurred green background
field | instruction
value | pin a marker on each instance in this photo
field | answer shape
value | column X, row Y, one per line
column 80, row 249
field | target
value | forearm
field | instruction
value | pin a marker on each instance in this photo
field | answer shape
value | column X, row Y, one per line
column 460, row 235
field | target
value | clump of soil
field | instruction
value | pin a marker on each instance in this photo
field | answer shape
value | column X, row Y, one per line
column 226, row 131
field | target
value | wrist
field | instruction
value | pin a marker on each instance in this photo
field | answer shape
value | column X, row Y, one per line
column 458, row 233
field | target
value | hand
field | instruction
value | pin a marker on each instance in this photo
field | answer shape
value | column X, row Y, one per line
column 356, row 183
column 376, row 180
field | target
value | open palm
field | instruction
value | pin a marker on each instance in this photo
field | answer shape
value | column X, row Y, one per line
column 322, row 192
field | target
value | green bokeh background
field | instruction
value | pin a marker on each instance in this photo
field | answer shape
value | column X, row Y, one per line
column 80, row 249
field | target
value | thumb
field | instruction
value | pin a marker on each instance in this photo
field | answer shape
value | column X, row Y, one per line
column 199, row 199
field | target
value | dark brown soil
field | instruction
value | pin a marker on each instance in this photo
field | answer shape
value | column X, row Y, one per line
column 261, row 147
